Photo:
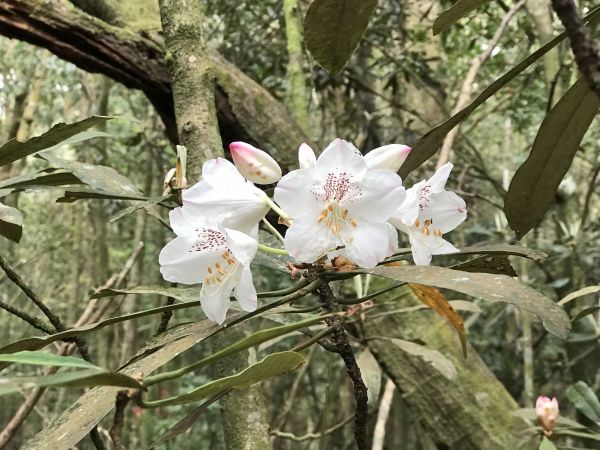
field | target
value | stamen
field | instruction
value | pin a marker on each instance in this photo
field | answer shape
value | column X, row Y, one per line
column 353, row 223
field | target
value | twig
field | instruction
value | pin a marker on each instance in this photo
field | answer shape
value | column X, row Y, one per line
column 310, row 436
column 344, row 349
column 33, row 321
column 116, row 430
column 585, row 50
column 165, row 317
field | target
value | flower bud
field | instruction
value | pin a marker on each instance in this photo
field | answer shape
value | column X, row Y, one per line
column 547, row 413
column 254, row 164
column 390, row 157
column 306, row 156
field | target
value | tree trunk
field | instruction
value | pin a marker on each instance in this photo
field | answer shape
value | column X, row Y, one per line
column 472, row 412
column 243, row 411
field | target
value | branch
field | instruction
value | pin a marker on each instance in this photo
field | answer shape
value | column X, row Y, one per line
column 33, row 321
column 344, row 349
column 585, row 50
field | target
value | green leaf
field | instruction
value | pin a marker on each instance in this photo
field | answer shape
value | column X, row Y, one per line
column 78, row 378
column 585, row 400
column 496, row 264
column 183, row 294
column 270, row 260
column 546, row 444
column 535, row 183
column 429, row 144
column 585, row 312
column 580, row 434
column 271, row 366
column 453, row 14
column 11, row 223
column 252, row 340
column 58, row 135
column 41, row 179
column 98, row 178
column 494, row 288
column 77, row 421
column 505, row 249
column 72, row 195
column 435, row 358
column 334, row 28
column 579, row 293
column 146, row 204
column 47, row 359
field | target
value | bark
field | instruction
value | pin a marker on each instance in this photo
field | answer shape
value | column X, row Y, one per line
column 472, row 412
column 246, row 111
column 297, row 94
column 243, row 412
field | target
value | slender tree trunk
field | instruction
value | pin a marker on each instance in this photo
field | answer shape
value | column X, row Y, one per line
column 297, row 94
column 243, row 411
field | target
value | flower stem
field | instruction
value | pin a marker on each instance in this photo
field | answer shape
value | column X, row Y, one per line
column 273, row 230
column 278, row 210
column 272, row 250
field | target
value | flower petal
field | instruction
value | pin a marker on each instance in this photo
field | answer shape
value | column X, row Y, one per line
column 306, row 157
column 181, row 263
column 294, row 194
column 307, row 240
column 342, row 155
column 440, row 177
column 254, row 164
column 245, row 292
column 424, row 246
column 214, row 305
column 371, row 244
column 382, row 194
column 220, row 172
column 390, row 157
column 447, row 209
column 241, row 245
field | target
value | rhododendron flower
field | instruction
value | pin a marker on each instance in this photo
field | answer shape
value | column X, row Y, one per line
column 547, row 412
column 225, row 196
column 340, row 202
column 306, row 156
column 389, row 157
column 428, row 212
column 219, row 258
column 254, row 164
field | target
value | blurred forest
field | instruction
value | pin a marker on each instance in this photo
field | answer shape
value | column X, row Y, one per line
column 67, row 60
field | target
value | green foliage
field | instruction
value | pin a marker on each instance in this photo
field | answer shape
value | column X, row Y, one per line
column 585, row 400
column 333, row 29
column 11, row 222
column 533, row 188
column 453, row 14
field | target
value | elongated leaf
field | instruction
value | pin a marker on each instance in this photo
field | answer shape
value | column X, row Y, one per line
column 11, row 223
column 40, row 179
column 71, row 195
column 430, row 143
column 271, row 366
column 58, row 135
column 76, row 422
column 146, row 204
column 546, row 444
column 535, row 183
column 78, row 378
column 494, row 288
column 100, row 178
column 585, row 400
column 371, row 374
column 183, row 294
column 433, row 298
column 334, row 28
column 47, row 359
column 496, row 264
column 579, row 434
column 586, row 312
column 437, row 360
column 453, row 14
column 505, row 249
column 579, row 293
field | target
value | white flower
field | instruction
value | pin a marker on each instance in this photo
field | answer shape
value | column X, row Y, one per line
column 254, row 164
column 428, row 212
column 340, row 202
column 219, row 258
column 388, row 157
column 226, row 197
column 306, row 156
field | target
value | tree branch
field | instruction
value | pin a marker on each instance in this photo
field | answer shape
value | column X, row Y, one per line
column 585, row 50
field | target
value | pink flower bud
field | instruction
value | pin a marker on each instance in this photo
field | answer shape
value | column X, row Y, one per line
column 306, row 156
column 254, row 164
column 547, row 413
column 390, row 157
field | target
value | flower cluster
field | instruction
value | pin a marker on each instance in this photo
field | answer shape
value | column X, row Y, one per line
column 547, row 413
column 339, row 204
